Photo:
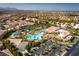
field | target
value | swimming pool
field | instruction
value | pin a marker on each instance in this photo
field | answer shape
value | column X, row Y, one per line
column 33, row 36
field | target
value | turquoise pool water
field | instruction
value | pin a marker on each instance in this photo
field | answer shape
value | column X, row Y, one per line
column 33, row 36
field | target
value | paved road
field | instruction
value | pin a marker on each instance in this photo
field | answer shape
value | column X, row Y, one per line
column 74, row 51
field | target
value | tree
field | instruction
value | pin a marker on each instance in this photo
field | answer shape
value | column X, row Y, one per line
column 8, row 34
column 18, row 54
column 12, row 48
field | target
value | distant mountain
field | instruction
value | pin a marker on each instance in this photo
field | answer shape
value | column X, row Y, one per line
column 7, row 8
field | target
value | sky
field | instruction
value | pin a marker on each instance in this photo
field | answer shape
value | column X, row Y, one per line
column 43, row 6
